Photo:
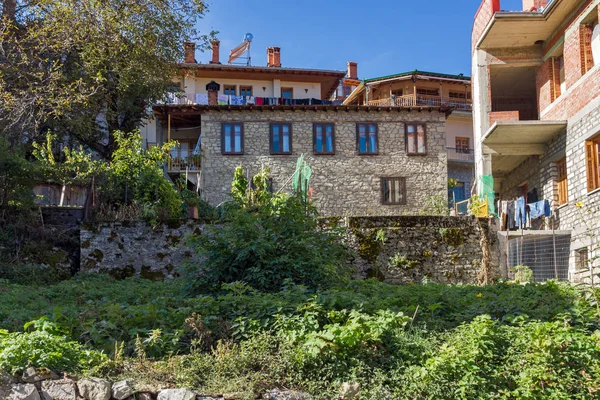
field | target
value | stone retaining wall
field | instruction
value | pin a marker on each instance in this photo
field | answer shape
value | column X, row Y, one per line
column 415, row 248
column 127, row 249
column 402, row 249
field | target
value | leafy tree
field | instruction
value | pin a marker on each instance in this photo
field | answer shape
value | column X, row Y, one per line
column 85, row 68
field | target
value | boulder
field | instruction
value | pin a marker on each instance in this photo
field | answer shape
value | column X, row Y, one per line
column 122, row 390
column 62, row 389
column 287, row 395
column 23, row 392
column 94, row 389
column 32, row 375
column 176, row 394
column 349, row 391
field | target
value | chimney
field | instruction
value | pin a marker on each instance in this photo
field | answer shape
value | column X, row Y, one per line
column 215, row 52
column 352, row 70
column 189, row 52
column 273, row 57
column 534, row 5
column 212, row 88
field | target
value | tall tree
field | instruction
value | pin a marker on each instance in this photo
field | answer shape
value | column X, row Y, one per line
column 85, row 68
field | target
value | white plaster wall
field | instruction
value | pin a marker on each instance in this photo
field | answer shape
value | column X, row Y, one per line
column 462, row 127
column 272, row 88
column 148, row 131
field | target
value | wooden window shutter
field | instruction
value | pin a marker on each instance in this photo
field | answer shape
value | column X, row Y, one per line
column 585, row 46
column 563, row 194
column 591, row 157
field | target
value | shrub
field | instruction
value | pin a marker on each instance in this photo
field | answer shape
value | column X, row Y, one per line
column 45, row 347
column 265, row 239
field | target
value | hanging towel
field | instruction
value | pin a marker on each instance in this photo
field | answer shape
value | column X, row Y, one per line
column 250, row 100
column 235, row 100
column 222, row 99
column 201, row 98
column 259, row 101
column 521, row 212
column 539, row 209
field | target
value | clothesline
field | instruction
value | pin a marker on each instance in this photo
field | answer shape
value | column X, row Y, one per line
column 519, row 214
column 223, row 99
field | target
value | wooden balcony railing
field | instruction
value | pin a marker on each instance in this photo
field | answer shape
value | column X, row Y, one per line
column 412, row 100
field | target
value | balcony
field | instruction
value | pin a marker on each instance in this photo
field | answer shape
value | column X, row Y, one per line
column 191, row 163
column 460, row 154
column 412, row 100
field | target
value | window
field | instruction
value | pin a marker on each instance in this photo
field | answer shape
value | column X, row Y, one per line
column 281, row 138
column 393, row 191
column 397, row 92
column 367, row 138
column 586, row 31
column 581, row 258
column 459, row 95
column 245, row 90
column 462, row 144
column 428, row 92
column 323, row 138
column 229, row 90
column 287, row 93
column 563, row 194
column 592, row 160
column 416, row 142
column 232, row 138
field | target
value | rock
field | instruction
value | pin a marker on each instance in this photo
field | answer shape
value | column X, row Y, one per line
column 6, row 378
column 32, row 375
column 144, row 396
column 94, row 389
column 233, row 396
column 286, row 395
column 122, row 390
column 176, row 394
column 63, row 389
column 209, row 398
column 23, row 392
column 349, row 390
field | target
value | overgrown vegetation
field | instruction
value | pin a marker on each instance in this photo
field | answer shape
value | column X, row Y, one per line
column 265, row 239
column 414, row 341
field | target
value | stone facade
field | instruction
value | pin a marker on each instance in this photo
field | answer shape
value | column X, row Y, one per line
column 136, row 249
column 344, row 184
column 411, row 249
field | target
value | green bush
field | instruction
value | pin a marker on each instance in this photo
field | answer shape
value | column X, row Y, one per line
column 45, row 347
column 265, row 239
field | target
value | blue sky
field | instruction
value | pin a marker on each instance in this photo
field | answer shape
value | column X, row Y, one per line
column 383, row 36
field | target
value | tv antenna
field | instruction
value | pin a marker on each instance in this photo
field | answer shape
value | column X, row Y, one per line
column 238, row 52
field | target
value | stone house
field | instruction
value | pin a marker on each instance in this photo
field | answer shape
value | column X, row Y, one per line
column 536, row 110
column 432, row 88
column 366, row 160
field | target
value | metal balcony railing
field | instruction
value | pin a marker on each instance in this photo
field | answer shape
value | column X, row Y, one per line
column 412, row 100
column 460, row 154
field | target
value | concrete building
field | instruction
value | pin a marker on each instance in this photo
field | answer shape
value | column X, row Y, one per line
column 419, row 88
column 366, row 160
column 536, row 110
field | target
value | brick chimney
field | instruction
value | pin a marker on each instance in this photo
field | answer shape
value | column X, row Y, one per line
column 352, row 70
column 212, row 88
column 533, row 5
column 215, row 44
column 273, row 57
column 189, row 52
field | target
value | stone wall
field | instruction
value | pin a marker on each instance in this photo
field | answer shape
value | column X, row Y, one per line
column 443, row 249
column 410, row 249
column 346, row 184
column 127, row 249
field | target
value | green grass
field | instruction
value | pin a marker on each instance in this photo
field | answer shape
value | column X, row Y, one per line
column 414, row 341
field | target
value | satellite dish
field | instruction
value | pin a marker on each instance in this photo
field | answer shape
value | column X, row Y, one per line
column 248, row 37
column 596, row 44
